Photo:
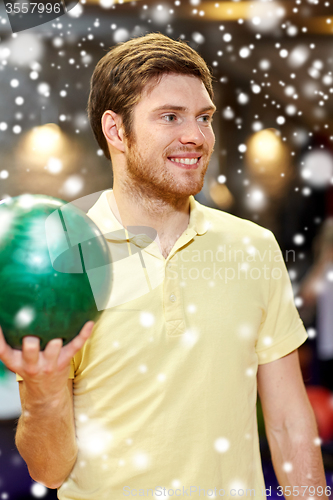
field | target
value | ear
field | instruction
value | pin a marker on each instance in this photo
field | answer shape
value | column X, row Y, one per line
column 113, row 130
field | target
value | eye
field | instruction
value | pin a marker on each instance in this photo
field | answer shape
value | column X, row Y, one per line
column 169, row 118
column 205, row 119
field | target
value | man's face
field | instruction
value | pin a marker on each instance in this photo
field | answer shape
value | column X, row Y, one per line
column 172, row 140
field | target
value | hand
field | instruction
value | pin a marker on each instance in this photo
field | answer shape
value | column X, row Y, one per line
column 45, row 373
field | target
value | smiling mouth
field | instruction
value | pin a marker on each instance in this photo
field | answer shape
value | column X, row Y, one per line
column 185, row 161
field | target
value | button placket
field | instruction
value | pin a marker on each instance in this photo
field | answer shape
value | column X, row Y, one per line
column 173, row 310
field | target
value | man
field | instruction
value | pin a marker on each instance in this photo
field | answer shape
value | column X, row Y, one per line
column 161, row 397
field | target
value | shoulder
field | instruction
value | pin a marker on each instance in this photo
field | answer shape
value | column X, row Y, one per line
column 234, row 227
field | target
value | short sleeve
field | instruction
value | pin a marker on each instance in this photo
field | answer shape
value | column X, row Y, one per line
column 71, row 373
column 281, row 330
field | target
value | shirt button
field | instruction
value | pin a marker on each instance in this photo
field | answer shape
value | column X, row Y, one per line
column 172, row 297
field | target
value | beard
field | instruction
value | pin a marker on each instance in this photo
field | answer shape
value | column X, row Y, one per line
column 150, row 178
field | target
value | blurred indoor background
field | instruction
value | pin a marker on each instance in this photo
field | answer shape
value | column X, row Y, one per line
column 272, row 63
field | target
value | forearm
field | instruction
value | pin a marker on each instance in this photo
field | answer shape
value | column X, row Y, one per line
column 45, row 438
column 297, row 459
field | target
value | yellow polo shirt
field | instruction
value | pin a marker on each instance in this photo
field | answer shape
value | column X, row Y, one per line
column 165, row 390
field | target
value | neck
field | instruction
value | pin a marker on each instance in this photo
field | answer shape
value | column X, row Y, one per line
column 169, row 216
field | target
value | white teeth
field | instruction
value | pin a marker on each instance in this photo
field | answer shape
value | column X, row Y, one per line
column 186, row 161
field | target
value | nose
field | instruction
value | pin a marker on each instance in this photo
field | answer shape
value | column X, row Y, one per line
column 191, row 133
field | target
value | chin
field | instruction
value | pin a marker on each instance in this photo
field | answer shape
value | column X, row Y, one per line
column 188, row 190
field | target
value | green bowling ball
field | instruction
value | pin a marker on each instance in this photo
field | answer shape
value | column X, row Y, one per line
column 55, row 269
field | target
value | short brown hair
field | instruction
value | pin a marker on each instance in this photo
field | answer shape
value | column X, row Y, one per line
column 121, row 75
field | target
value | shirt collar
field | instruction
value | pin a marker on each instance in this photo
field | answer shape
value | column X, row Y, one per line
column 113, row 230
column 198, row 221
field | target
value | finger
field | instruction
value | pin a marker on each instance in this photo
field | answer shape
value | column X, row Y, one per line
column 69, row 350
column 87, row 330
column 6, row 352
column 30, row 350
column 52, row 351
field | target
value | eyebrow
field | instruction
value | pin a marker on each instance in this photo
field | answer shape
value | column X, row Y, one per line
column 172, row 107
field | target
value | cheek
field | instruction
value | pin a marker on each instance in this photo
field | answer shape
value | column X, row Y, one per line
column 210, row 138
